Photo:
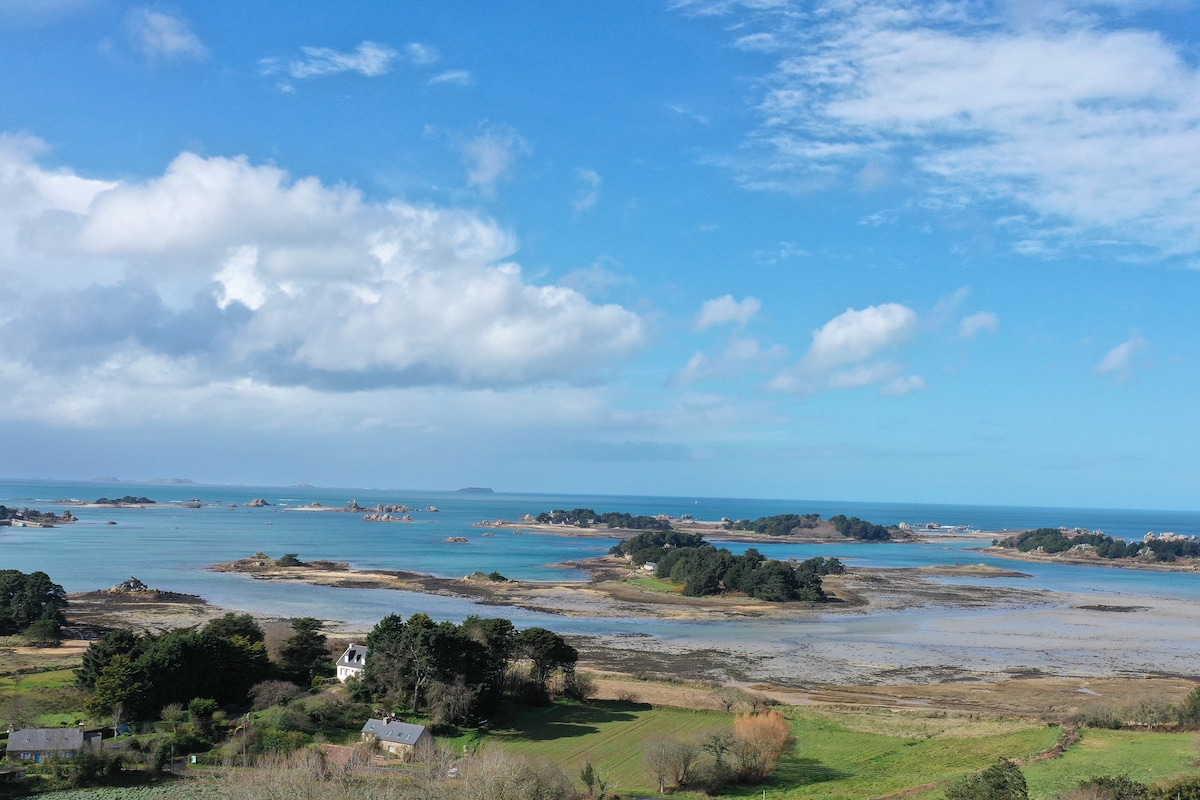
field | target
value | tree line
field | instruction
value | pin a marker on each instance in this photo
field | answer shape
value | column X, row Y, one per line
column 456, row 673
column 778, row 525
column 1053, row 540
column 586, row 517
column 703, row 570
column 452, row 673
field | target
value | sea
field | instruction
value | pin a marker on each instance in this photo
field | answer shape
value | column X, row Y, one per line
column 170, row 546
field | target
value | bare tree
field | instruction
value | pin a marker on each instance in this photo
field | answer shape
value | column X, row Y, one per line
column 20, row 710
column 760, row 740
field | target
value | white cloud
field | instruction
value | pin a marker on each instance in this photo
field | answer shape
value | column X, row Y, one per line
column 971, row 326
column 727, row 311
column 1122, row 360
column 846, row 353
column 457, row 77
column 491, row 154
column 758, row 43
column 1088, row 129
column 737, row 358
column 227, row 271
column 418, row 53
column 368, row 59
column 588, row 193
column 158, row 35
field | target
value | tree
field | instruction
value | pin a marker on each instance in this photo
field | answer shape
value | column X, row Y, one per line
column 1001, row 781
column 1189, row 709
column 231, row 625
column 305, row 654
column 547, row 651
column 121, row 685
column 20, row 711
column 760, row 740
column 670, row 760
column 26, row 599
column 101, row 651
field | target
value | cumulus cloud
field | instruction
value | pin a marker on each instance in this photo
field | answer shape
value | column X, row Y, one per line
column 491, row 154
column 228, row 271
column 852, row 351
column 161, row 36
column 1084, row 129
column 984, row 322
column 588, row 193
column 1120, row 362
column 727, row 311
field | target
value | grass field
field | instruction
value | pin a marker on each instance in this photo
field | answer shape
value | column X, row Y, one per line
column 652, row 584
column 839, row 754
column 1145, row 757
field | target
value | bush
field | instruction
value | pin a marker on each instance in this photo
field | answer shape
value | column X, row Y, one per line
column 1001, row 781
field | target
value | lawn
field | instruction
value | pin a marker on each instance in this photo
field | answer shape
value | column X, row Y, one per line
column 1145, row 757
column 652, row 584
column 848, row 754
column 609, row 734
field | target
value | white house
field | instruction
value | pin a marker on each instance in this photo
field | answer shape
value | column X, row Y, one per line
column 352, row 662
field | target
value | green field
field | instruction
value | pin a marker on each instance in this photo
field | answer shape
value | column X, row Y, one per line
column 850, row 754
column 652, row 584
column 1145, row 757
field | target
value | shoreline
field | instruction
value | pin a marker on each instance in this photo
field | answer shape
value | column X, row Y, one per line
column 1012, row 554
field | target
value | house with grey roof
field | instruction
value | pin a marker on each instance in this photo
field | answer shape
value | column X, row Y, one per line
column 398, row 738
column 38, row 744
column 352, row 662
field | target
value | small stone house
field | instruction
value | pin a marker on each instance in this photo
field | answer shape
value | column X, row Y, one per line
column 38, row 744
column 398, row 738
column 352, row 662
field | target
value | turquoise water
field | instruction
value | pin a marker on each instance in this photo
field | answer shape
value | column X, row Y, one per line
column 169, row 546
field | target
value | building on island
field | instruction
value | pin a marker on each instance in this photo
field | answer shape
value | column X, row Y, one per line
column 352, row 662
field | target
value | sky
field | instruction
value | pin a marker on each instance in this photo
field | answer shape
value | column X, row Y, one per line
column 936, row 252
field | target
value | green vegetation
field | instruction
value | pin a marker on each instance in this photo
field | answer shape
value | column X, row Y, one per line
column 707, row 570
column 1143, row 756
column 838, row 753
column 1053, row 540
column 586, row 518
column 778, row 525
column 133, row 676
column 455, row 673
column 702, row 570
column 127, row 500
column 855, row 528
column 649, row 548
column 32, row 605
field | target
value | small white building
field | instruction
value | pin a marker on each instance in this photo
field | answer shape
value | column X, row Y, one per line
column 352, row 662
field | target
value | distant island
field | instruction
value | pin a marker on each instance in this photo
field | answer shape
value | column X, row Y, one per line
column 172, row 481
column 476, row 490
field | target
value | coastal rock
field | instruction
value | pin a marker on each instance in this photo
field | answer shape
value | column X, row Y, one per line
column 131, row 585
column 257, row 502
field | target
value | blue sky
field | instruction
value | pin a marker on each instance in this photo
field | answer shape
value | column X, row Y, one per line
column 904, row 251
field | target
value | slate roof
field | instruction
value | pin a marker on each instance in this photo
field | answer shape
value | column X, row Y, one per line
column 355, row 657
column 45, row 740
column 397, row 732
